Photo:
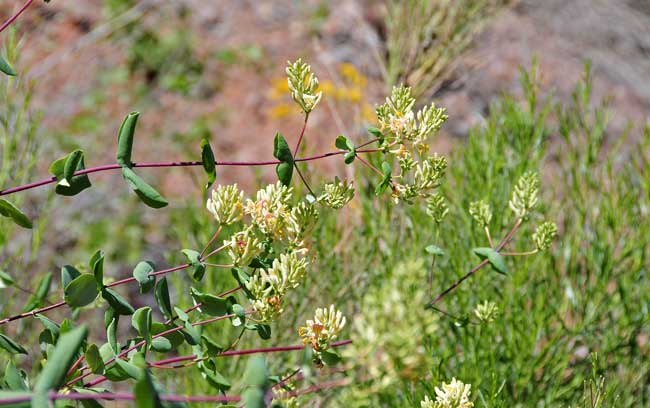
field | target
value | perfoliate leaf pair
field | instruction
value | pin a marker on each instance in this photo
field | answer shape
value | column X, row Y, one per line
column 346, row 144
column 496, row 260
column 282, row 152
column 64, row 168
column 145, row 192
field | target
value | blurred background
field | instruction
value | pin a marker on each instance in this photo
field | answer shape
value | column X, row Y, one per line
column 195, row 68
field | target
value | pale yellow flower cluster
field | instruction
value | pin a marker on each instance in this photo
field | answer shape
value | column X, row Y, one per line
column 337, row 194
column 226, row 204
column 323, row 329
column 278, row 234
column 270, row 286
column 452, row 395
column 407, row 135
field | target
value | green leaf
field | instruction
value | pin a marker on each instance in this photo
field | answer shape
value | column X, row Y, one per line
column 125, row 139
column 349, row 157
column 59, row 361
column 64, row 168
column 192, row 334
column 71, row 164
column 39, row 296
column 145, row 192
column 494, row 258
column 282, row 152
column 434, row 250
column 94, row 359
column 117, row 302
column 210, row 304
column 343, row 143
column 284, row 172
column 131, row 370
column 375, row 132
column 141, row 274
column 330, row 357
column 209, row 165
column 213, row 347
column 15, row 378
column 11, row 211
column 5, row 279
column 6, row 68
column 161, row 344
column 257, row 377
column 145, row 393
column 175, row 338
column 141, row 321
column 96, row 264
column 213, row 377
column 68, row 274
column 198, row 267
column 11, row 346
column 385, row 182
column 111, row 333
column 162, row 298
column 264, row 330
column 81, row 291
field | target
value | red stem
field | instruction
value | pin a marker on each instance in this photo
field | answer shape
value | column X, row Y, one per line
column 302, row 133
column 15, row 16
column 110, row 285
column 106, row 167
column 122, row 396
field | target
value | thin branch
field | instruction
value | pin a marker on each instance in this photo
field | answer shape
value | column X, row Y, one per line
column 107, row 167
column 302, row 133
column 120, row 396
column 15, row 16
column 484, row 262
column 216, row 234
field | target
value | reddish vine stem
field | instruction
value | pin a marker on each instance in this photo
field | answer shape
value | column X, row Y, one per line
column 475, row 269
column 302, row 133
column 107, row 167
column 15, row 16
column 63, row 302
column 121, row 396
column 85, row 367
column 277, row 349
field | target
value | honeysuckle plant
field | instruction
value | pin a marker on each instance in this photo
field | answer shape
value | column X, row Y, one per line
column 269, row 255
column 268, row 252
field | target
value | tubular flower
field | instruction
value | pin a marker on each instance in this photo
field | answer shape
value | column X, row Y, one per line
column 429, row 172
column 323, row 330
column 436, row 207
column 269, row 287
column 481, row 212
column 544, row 235
column 303, row 85
column 486, row 312
column 226, row 204
column 243, row 247
column 271, row 211
column 453, row 395
column 524, row 196
column 302, row 221
column 337, row 194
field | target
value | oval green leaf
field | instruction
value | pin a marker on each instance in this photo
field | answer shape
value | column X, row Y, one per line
column 81, row 291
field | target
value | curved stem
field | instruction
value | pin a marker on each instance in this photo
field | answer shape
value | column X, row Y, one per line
column 107, row 167
column 15, row 16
